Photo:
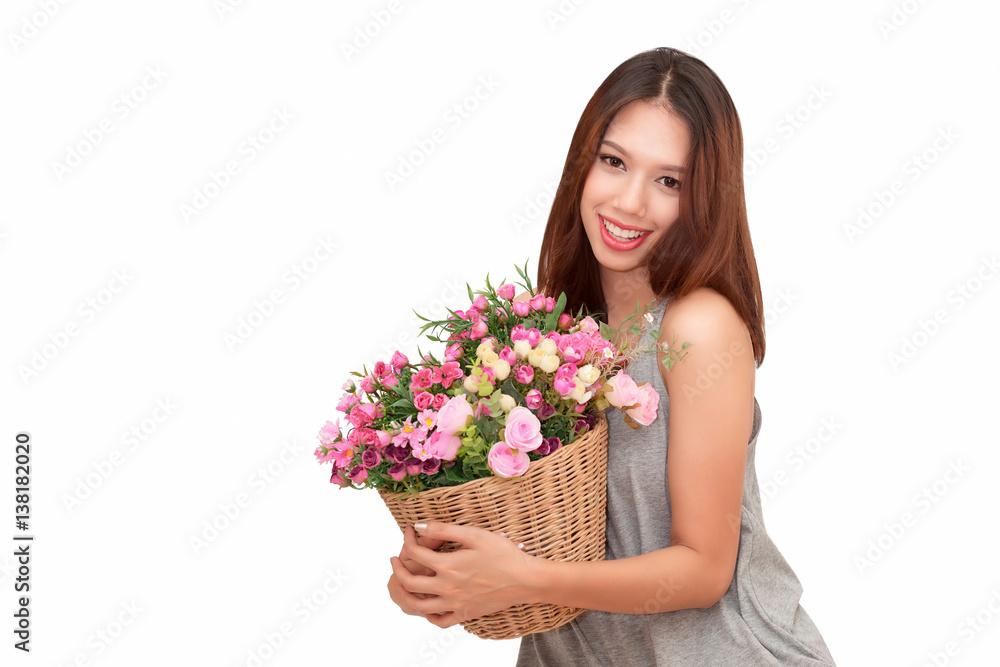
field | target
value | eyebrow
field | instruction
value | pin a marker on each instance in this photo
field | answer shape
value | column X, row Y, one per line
column 665, row 167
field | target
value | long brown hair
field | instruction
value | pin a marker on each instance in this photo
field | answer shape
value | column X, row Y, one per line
column 709, row 244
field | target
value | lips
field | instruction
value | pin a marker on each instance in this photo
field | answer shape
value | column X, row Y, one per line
column 621, row 243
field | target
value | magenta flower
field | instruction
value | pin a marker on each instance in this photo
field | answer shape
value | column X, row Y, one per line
column 324, row 455
column 534, row 335
column 430, row 466
column 367, row 384
column 550, row 304
column 342, row 456
column 564, row 386
column 508, row 355
column 358, row 474
column 522, row 430
column 370, row 458
column 423, row 400
column 381, row 370
column 398, row 360
column 453, row 352
column 347, row 401
column 479, row 303
column 524, row 374
column 447, row 373
column 565, row 320
column 506, row 463
column 545, row 411
column 397, row 472
column 567, row 370
column 533, row 399
column 506, row 291
column 521, row 308
column 439, row 401
column 422, row 379
column 479, row 329
column 413, row 465
column 518, row 333
column 537, row 302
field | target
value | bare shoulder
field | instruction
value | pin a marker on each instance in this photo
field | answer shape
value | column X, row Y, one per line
column 709, row 321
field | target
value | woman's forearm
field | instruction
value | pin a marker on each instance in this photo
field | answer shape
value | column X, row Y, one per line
column 669, row 579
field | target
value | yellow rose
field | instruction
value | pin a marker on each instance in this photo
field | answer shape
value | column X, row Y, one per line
column 549, row 363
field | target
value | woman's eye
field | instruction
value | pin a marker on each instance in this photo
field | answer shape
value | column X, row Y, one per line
column 612, row 161
column 671, row 182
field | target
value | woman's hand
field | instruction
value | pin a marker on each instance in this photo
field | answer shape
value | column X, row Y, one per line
column 487, row 574
column 412, row 566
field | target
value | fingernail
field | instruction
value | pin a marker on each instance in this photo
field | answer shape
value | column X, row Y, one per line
column 420, row 526
column 520, row 545
column 503, row 534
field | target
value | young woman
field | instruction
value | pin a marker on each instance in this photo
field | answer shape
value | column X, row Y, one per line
column 651, row 207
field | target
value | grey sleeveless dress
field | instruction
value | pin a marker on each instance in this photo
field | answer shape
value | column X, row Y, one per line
column 757, row 622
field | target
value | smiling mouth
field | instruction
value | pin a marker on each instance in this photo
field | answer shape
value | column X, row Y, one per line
column 623, row 235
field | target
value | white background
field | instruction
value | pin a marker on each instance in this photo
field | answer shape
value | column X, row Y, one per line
column 865, row 100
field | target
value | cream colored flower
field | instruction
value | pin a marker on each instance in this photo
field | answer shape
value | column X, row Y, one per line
column 484, row 347
column 588, row 374
column 501, row 369
column 580, row 393
column 490, row 358
column 548, row 346
column 549, row 363
column 535, row 358
column 522, row 348
column 507, row 403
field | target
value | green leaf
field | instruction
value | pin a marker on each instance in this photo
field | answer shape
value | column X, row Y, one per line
column 508, row 388
column 607, row 333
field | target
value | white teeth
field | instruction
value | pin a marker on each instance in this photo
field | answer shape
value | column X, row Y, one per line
column 624, row 235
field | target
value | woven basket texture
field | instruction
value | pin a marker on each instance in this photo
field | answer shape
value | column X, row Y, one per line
column 557, row 509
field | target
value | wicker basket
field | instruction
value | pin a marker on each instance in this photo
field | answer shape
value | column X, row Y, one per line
column 557, row 509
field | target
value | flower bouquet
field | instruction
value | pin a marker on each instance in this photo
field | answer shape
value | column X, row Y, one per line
column 506, row 431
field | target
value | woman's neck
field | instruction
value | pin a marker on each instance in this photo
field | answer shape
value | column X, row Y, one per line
column 623, row 291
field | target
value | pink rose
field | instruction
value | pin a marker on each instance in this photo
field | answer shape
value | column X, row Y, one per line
column 505, row 463
column 439, row 400
column 537, row 302
column 506, row 292
column 534, row 335
column 454, row 415
column 479, row 303
column 522, row 430
column 621, row 391
column 453, row 352
column 398, row 360
column 423, row 400
column 565, row 320
column 479, row 329
column 444, row 446
column 649, row 401
column 589, row 326
column 534, row 399
column 330, row 433
column 550, row 304
column 564, row 386
column 508, row 355
column 521, row 308
column 524, row 374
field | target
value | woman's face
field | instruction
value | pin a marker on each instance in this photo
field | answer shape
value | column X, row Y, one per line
column 632, row 193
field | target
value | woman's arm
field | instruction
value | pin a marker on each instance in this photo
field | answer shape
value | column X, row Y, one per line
column 711, row 413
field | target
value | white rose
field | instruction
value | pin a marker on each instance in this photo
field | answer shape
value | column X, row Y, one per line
column 484, row 347
column 549, row 363
column 490, row 358
column 580, row 393
column 548, row 346
column 501, row 369
column 535, row 357
column 522, row 348
column 507, row 403
column 588, row 374
column 471, row 384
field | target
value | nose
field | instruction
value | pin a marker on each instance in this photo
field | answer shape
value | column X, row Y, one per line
column 631, row 197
